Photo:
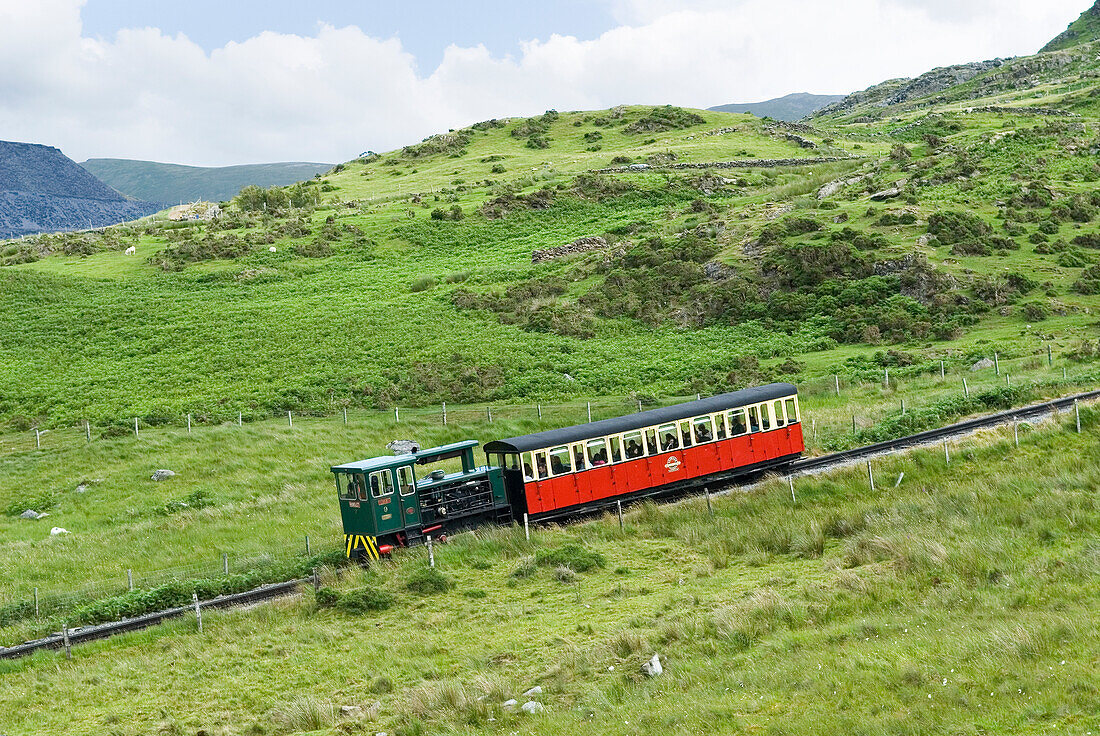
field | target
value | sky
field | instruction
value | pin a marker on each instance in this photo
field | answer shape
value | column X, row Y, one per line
column 219, row 83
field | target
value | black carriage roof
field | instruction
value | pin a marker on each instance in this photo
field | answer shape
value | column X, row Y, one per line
column 555, row 437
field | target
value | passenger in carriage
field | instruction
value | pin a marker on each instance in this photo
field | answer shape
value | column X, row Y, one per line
column 702, row 433
column 528, row 475
column 540, row 465
column 600, row 458
column 578, row 460
column 738, row 424
column 633, row 449
column 669, row 442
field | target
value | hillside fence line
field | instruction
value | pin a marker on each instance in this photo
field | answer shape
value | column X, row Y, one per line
column 224, row 563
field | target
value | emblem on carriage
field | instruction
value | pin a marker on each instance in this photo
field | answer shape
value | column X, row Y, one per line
column 673, row 464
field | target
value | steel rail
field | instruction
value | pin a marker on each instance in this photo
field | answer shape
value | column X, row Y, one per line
column 816, row 464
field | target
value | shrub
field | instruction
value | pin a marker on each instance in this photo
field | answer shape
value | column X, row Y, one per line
column 365, row 599
column 497, row 169
column 326, row 597
column 573, row 556
column 900, row 152
column 422, row 284
column 428, row 580
column 1036, row 311
column 660, row 119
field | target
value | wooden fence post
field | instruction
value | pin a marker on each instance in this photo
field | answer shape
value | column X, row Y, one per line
column 316, row 580
column 308, row 551
column 836, row 378
column 1050, row 356
column 130, row 578
column 619, row 507
column 489, row 413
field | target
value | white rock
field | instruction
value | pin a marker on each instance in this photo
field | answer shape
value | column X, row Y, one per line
column 57, row 531
column 30, row 514
column 511, row 703
column 653, row 667
column 350, row 710
column 532, row 706
column 82, row 487
column 536, row 690
column 161, row 474
column 272, row 249
column 982, row 364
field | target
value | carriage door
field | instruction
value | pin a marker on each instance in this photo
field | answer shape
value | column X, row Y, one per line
column 384, row 502
column 406, row 489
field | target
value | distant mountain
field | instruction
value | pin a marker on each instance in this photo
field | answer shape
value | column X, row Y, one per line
column 175, row 183
column 43, row 190
column 1084, row 29
column 792, row 107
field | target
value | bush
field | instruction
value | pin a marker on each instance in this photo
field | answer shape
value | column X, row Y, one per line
column 1036, row 312
column 326, row 597
column 573, row 556
column 428, row 580
column 422, row 284
column 660, row 119
column 497, row 169
column 363, row 600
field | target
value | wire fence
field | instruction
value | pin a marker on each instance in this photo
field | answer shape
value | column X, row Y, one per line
column 823, row 397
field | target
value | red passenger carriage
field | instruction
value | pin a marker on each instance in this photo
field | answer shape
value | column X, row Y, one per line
column 659, row 451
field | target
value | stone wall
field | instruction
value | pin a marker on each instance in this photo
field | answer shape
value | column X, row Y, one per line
column 580, row 245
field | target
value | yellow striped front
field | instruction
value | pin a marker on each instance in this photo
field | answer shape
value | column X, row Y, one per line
column 353, row 542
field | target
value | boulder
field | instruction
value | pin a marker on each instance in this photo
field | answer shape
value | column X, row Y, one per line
column 886, row 194
column 715, row 271
column 841, row 218
column 653, row 667
column 29, row 514
column 982, row 364
column 510, row 703
column 57, row 531
column 82, row 487
column 350, row 711
column 161, row 474
column 532, row 706
column 403, row 447
column 536, row 690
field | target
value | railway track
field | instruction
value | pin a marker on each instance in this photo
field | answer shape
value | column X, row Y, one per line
column 808, row 465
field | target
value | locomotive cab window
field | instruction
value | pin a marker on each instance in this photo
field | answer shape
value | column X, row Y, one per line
column 347, row 491
column 704, row 431
column 406, row 480
column 634, row 444
column 560, row 461
column 381, row 484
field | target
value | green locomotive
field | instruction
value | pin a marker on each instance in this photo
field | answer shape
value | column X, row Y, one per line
column 384, row 505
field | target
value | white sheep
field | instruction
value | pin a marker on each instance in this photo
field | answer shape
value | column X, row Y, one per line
column 272, row 249
column 131, row 250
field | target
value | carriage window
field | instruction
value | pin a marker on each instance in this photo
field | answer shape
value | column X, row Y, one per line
column 651, row 445
column 777, row 409
column 669, row 437
column 737, row 423
column 578, row 457
column 685, row 432
column 704, row 432
column 528, row 466
column 381, row 484
column 616, row 448
column 542, row 468
column 754, row 418
column 560, row 461
column 720, row 427
column 634, row 445
column 406, row 480
column 596, row 452
column 791, row 405
column 765, row 418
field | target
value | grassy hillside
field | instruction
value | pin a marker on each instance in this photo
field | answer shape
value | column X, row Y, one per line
column 962, row 600
column 1084, row 29
column 407, row 278
column 172, row 183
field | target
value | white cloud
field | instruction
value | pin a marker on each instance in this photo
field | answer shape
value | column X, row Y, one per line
column 339, row 91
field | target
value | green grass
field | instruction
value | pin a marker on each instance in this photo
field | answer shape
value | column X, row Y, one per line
column 961, row 601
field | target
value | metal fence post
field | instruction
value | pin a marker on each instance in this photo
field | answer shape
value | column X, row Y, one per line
column 836, row 378
column 1016, row 432
column 790, row 482
column 225, row 563
column 396, row 414
column 966, row 388
column 444, row 413
column 1077, row 412
column 37, row 439
column 870, row 476
column 36, row 602
column 290, row 419
column 198, row 610
column 307, row 545
column 526, row 528
column 345, row 416
column 65, row 638
column 942, row 375
column 946, row 453
column 996, row 363
column 87, row 431
column 489, row 413
column 589, row 412
column 1050, row 356
column 130, row 578
column 136, row 427
column 540, row 411
column 431, row 552
column 619, row 507
column 316, row 580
